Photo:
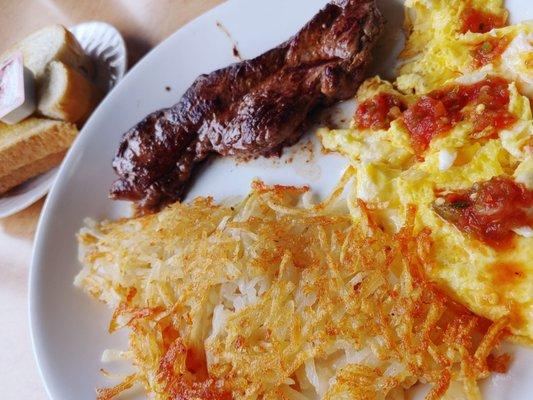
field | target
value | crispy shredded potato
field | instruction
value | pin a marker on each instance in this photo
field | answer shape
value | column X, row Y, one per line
column 275, row 298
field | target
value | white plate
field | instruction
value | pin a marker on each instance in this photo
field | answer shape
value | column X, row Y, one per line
column 27, row 193
column 105, row 45
column 69, row 330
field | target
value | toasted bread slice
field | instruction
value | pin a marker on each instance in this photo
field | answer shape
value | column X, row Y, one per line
column 32, row 147
column 22, row 174
column 53, row 43
column 66, row 94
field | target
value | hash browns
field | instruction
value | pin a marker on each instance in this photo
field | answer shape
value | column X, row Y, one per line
column 276, row 298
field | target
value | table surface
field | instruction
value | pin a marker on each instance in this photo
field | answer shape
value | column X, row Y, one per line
column 143, row 23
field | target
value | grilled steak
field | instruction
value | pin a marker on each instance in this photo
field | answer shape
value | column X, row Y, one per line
column 252, row 108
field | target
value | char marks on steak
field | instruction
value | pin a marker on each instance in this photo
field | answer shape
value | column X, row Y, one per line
column 252, row 108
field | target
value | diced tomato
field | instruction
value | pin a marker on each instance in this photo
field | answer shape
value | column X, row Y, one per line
column 379, row 111
column 479, row 21
column 489, row 51
column 425, row 119
column 489, row 210
column 485, row 104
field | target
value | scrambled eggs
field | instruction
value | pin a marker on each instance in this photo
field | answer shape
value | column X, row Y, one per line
column 442, row 46
column 457, row 122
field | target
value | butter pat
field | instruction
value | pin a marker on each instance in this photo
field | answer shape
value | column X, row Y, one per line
column 17, row 90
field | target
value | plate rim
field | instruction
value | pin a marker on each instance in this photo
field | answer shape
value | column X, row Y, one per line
column 39, row 192
column 44, row 221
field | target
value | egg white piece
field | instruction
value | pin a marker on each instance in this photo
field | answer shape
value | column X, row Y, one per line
column 446, row 159
column 524, row 231
column 514, row 63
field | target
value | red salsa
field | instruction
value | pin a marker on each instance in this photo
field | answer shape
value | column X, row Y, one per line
column 489, row 51
column 484, row 103
column 425, row 119
column 489, row 210
column 379, row 111
column 479, row 21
